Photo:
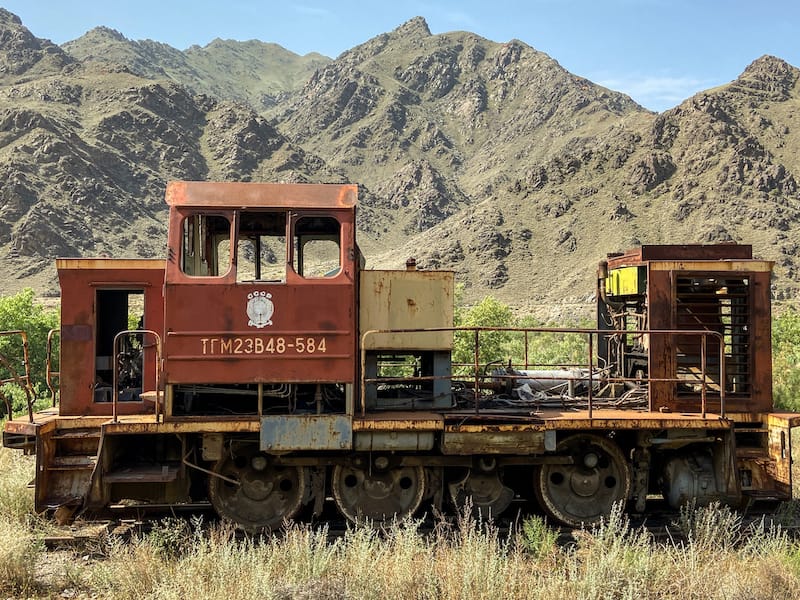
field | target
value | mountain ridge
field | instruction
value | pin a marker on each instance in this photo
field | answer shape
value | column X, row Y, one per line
column 483, row 157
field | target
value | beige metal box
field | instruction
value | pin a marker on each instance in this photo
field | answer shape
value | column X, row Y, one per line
column 406, row 300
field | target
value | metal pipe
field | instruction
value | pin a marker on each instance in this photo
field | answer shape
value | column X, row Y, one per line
column 591, row 356
column 48, row 367
column 477, row 366
column 115, row 368
column 703, row 340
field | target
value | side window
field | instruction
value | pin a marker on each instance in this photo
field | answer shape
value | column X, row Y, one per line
column 317, row 247
column 206, row 248
column 261, row 247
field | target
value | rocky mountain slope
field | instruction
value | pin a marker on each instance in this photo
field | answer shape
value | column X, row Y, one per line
column 253, row 72
column 486, row 158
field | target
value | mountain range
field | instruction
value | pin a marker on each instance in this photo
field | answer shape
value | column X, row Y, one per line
column 486, row 158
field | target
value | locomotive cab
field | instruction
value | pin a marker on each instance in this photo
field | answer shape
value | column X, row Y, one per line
column 260, row 296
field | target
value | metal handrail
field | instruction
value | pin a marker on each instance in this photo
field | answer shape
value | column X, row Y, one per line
column 115, row 370
column 50, row 374
column 24, row 381
column 590, row 333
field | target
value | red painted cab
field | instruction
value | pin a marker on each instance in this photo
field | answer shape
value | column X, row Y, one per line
column 99, row 297
column 260, row 297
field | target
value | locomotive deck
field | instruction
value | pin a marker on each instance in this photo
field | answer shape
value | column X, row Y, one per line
column 602, row 418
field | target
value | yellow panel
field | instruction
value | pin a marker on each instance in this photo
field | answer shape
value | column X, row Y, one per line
column 406, row 300
column 626, row 281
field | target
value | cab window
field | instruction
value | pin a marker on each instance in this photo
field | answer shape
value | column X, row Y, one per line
column 206, row 247
column 317, row 242
column 261, row 247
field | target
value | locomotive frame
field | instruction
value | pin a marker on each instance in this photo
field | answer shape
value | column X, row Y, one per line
column 273, row 377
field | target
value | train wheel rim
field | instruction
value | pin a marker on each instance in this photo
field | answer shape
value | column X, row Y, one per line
column 377, row 495
column 255, row 495
column 586, row 491
column 484, row 492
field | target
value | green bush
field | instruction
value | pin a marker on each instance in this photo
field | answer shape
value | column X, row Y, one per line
column 786, row 360
column 544, row 349
column 494, row 345
column 21, row 312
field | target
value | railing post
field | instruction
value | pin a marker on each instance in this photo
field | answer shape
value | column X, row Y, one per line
column 115, row 368
column 723, row 376
column 477, row 366
column 49, row 373
column 527, row 364
column 703, row 341
column 591, row 354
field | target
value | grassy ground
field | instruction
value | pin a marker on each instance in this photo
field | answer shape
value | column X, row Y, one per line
column 718, row 558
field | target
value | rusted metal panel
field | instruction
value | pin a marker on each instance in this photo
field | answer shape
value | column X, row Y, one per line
column 783, row 419
column 416, row 441
column 80, row 280
column 495, row 428
column 406, row 300
column 603, row 419
column 761, row 345
column 107, row 264
column 661, row 350
column 21, row 427
column 666, row 311
column 780, row 450
column 306, row 432
column 682, row 252
column 243, row 194
column 497, row 441
column 309, row 335
column 147, row 424
column 400, row 422
column 723, row 266
column 696, row 251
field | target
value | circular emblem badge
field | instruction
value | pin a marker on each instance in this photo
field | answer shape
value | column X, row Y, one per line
column 259, row 309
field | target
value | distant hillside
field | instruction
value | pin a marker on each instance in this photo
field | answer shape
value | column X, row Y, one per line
column 253, row 72
column 486, row 158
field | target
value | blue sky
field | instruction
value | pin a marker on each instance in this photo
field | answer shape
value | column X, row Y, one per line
column 657, row 51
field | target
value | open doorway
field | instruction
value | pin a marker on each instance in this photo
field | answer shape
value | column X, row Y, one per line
column 118, row 310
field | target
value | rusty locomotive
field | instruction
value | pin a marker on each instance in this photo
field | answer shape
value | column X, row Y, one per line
column 272, row 377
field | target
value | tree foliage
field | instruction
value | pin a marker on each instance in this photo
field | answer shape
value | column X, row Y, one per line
column 786, row 360
column 21, row 312
column 534, row 349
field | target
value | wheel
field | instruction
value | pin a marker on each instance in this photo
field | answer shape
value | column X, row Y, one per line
column 583, row 492
column 376, row 494
column 255, row 495
column 484, row 490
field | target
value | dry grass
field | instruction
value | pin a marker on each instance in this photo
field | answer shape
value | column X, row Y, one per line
column 718, row 557
column 20, row 544
column 467, row 560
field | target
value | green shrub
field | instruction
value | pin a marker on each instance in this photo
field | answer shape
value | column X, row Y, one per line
column 786, row 360
column 21, row 312
column 537, row 537
column 536, row 349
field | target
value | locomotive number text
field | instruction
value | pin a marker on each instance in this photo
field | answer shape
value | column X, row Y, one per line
column 264, row 345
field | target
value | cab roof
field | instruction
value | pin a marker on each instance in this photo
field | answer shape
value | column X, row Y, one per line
column 226, row 194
